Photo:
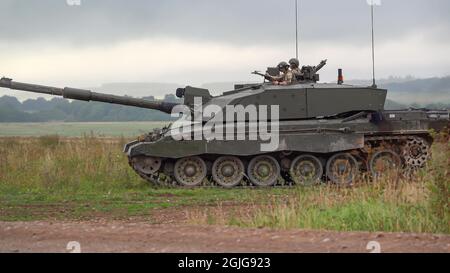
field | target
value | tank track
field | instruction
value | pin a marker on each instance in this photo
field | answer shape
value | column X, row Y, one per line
column 380, row 155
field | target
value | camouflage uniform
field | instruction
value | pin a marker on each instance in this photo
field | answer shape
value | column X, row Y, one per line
column 296, row 72
column 294, row 64
column 286, row 77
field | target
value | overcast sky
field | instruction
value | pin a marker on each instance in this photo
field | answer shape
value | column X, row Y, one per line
column 199, row 41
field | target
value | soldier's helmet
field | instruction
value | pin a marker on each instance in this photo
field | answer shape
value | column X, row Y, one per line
column 282, row 65
column 294, row 61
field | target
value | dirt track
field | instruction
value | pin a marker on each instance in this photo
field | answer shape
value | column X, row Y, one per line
column 126, row 236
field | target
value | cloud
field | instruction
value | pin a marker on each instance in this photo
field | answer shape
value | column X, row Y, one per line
column 233, row 21
column 146, row 60
column 199, row 41
column 188, row 62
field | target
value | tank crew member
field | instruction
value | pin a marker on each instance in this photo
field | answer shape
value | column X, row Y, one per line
column 295, row 64
column 286, row 76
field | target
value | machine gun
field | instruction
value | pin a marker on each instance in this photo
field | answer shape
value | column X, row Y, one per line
column 266, row 76
column 309, row 73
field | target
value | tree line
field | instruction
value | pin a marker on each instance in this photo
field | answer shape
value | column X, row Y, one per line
column 58, row 109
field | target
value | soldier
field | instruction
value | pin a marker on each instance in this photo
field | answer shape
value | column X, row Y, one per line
column 286, row 76
column 294, row 64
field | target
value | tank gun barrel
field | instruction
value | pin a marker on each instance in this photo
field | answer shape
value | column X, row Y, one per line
column 87, row 95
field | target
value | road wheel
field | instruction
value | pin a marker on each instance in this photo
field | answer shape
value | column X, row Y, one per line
column 263, row 171
column 342, row 169
column 190, row 171
column 384, row 162
column 306, row 170
column 228, row 171
column 146, row 164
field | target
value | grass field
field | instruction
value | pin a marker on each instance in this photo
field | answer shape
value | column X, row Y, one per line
column 77, row 129
column 56, row 178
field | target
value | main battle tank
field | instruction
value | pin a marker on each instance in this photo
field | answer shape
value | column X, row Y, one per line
column 323, row 132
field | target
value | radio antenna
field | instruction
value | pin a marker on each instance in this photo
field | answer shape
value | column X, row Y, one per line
column 296, row 29
column 372, row 3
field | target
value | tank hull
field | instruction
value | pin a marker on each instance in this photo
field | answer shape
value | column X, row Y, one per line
column 360, row 137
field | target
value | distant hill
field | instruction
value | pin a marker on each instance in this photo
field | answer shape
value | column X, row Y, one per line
column 421, row 92
column 392, row 105
column 410, row 91
column 58, row 109
column 382, row 81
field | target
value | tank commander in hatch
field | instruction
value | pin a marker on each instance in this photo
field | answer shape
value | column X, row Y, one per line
column 295, row 68
column 286, row 76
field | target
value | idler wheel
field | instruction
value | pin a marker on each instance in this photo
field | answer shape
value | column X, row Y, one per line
column 228, row 171
column 190, row 171
column 263, row 171
column 342, row 168
column 146, row 165
column 416, row 152
column 306, row 170
column 384, row 163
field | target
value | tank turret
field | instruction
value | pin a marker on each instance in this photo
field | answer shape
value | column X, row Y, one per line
column 305, row 98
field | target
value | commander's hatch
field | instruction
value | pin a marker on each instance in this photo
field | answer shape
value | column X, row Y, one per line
column 273, row 71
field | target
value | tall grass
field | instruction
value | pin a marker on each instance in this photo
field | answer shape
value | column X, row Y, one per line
column 52, row 164
column 418, row 203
